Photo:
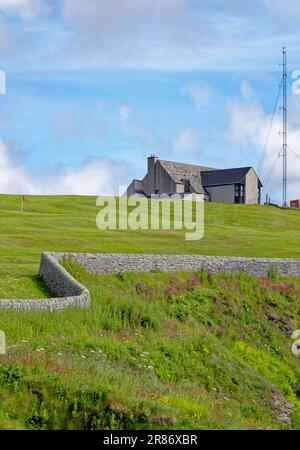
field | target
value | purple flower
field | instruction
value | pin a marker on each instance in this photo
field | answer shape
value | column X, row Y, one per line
column 171, row 290
column 142, row 289
column 209, row 277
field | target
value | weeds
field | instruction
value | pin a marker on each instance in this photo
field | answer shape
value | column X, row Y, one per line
column 182, row 350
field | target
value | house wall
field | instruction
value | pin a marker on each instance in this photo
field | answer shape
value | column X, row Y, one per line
column 134, row 185
column 295, row 203
column 179, row 188
column 221, row 194
column 158, row 178
column 251, row 188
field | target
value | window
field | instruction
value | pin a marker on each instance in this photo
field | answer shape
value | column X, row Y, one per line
column 236, row 190
column 239, row 193
column 187, row 185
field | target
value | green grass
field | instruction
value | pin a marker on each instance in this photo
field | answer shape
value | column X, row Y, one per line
column 155, row 351
column 66, row 223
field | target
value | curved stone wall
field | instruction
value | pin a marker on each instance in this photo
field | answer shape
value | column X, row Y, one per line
column 70, row 293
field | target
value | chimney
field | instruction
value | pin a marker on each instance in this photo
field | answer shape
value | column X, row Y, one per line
column 151, row 161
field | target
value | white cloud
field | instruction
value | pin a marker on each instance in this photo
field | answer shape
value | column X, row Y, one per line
column 200, row 95
column 125, row 112
column 247, row 123
column 24, row 40
column 13, row 43
column 247, row 91
column 283, row 14
column 13, row 179
column 108, row 19
column 68, row 124
column 187, row 142
column 178, row 34
column 100, row 104
column 247, row 133
column 26, row 9
column 131, row 127
column 94, row 177
column 150, row 34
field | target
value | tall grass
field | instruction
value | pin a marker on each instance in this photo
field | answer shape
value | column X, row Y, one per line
column 155, row 351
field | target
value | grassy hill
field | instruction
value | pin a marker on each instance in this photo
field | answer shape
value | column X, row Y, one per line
column 154, row 350
column 67, row 223
column 157, row 351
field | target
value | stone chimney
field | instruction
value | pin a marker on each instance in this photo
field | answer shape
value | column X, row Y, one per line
column 151, row 161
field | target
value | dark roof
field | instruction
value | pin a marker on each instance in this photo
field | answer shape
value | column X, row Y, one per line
column 225, row 176
column 179, row 171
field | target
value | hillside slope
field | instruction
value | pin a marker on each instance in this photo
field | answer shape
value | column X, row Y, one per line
column 67, row 223
column 157, row 351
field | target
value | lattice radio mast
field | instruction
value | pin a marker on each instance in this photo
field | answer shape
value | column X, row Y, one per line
column 284, row 127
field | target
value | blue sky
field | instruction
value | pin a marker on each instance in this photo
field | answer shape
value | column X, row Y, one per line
column 93, row 87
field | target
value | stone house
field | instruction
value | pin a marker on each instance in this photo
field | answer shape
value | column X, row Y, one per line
column 237, row 185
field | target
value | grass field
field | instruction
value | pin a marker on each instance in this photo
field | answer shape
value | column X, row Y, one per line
column 69, row 224
column 156, row 351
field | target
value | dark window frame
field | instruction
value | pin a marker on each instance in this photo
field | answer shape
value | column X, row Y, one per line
column 187, row 185
column 239, row 193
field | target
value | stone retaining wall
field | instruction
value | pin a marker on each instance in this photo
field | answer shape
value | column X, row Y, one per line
column 108, row 263
column 70, row 293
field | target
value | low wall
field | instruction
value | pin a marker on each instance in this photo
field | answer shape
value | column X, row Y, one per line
column 68, row 292
column 108, row 263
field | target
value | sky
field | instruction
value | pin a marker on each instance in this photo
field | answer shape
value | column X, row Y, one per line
column 93, row 87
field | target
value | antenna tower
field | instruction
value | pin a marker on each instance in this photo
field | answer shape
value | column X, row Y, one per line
column 284, row 128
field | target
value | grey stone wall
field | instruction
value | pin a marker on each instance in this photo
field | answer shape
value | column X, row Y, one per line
column 68, row 292
column 108, row 263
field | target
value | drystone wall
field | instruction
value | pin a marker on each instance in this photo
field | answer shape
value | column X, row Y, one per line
column 108, row 263
column 69, row 293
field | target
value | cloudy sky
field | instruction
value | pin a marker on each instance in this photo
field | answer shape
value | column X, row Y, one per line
column 95, row 86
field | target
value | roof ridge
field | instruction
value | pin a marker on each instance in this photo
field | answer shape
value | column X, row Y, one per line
column 232, row 168
column 186, row 164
